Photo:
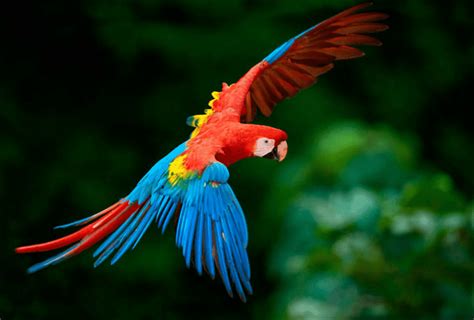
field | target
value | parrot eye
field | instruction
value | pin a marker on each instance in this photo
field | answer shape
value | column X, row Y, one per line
column 266, row 141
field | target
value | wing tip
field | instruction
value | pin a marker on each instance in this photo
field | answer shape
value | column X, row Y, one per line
column 364, row 5
column 383, row 16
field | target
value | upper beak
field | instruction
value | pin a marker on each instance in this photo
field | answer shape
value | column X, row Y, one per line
column 282, row 150
column 279, row 152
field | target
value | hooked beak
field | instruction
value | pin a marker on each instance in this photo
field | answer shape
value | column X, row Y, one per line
column 279, row 152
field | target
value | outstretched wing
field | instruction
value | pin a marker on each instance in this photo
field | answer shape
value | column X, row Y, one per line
column 212, row 231
column 298, row 63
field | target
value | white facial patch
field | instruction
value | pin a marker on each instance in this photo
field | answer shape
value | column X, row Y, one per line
column 264, row 146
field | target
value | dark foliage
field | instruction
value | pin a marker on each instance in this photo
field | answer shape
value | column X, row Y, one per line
column 368, row 218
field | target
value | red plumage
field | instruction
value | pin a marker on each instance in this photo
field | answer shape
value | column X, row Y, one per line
column 311, row 55
column 92, row 233
column 190, row 183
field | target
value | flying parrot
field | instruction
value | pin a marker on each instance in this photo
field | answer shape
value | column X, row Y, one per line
column 189, row 186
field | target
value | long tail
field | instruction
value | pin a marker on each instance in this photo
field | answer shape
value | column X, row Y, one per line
column 123, row 223
column 99, row 226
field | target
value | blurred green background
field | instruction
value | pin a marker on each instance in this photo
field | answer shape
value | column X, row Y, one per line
column 368, row 218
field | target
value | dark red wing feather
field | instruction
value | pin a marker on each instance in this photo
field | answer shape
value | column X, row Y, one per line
column 309, row 55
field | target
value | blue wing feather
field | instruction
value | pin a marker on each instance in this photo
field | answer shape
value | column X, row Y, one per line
column 208, row 246
column 212, row 227
column 171, row 210
column 129, row 235
column 221, row 257
column 198, row 244
column 280, row 51
column 158, row 202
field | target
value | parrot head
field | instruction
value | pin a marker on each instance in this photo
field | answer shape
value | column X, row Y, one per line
column 272, row 145
column 250, row 140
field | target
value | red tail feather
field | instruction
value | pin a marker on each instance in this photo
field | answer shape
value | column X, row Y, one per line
column 90, row 234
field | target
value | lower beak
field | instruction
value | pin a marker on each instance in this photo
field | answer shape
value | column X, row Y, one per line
column 273, row 155
column 278, row 153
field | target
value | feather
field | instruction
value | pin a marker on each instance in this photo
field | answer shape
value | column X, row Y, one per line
column 298, row 62
column 220, row 257
column 362, row 17
column 362, row 28
column 212, row 232
column 355, row 39
column 258, row 97
column 209, row 246
column 198, row 244
column 83, row 221
column 344, row 52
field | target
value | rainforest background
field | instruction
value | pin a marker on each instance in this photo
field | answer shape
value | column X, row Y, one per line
column 368, row 218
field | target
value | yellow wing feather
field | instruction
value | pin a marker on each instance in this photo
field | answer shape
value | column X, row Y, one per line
column 199, row 120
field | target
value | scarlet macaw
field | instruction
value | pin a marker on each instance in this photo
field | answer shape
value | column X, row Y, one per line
column 189, row 185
